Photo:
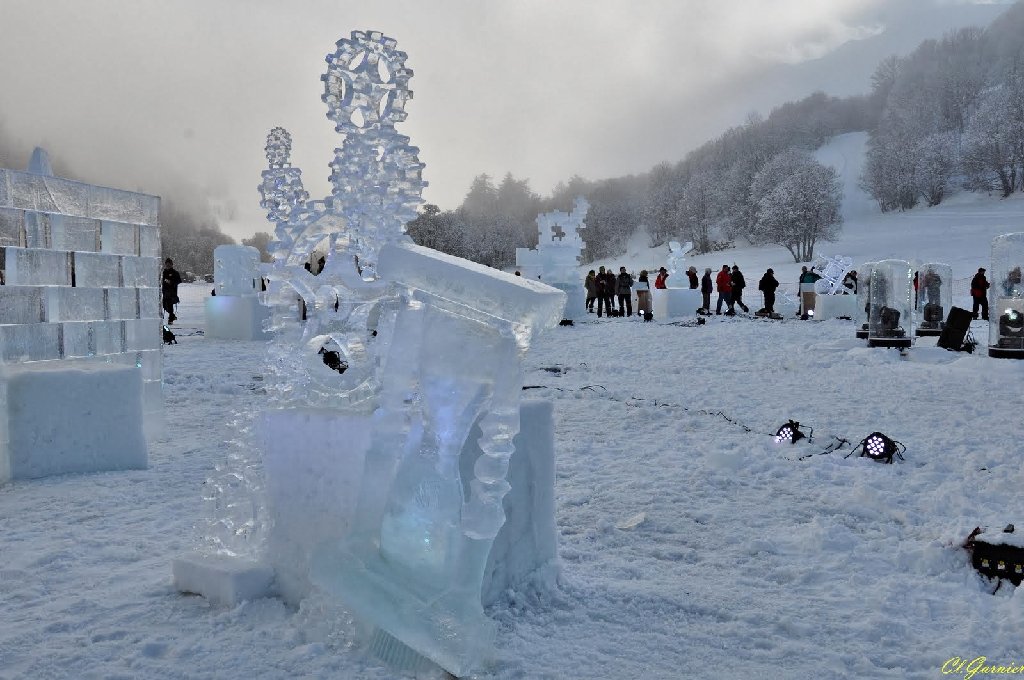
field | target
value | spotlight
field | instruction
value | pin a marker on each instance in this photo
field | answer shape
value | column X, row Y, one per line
column 790, row 432
column 877, row 446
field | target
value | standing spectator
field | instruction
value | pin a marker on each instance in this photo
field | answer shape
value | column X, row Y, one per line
column 624, row 289
column 723, row 283
column 661, row 280
column 850, row 282
column 643, row 296
column 807, row 294
column 767, row 285
column 916, row 287
column 609, row 291
column 591, row 285
column 601, row 285
column 979, row 293
column 705, row 290
column 738, row 284
column 169, row 289
column 691, row 274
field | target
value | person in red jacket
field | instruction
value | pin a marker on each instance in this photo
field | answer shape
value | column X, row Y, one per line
column 723, row 283
column 661, row 279
column 979, row 293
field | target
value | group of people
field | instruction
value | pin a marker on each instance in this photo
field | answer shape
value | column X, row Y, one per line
column 604, row 287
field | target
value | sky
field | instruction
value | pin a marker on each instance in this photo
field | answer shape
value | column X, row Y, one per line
column 178, row 97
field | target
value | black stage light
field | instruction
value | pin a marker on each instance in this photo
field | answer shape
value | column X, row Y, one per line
column 877, row 446
column 790, row 432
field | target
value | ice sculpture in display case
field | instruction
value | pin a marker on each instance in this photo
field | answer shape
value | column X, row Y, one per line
column 235, row 312
column 1006, row 298
column 556, row 259
column 397, row 442
column 934, row 297
column 863, row 311
column 891, row 304
column 80, row 344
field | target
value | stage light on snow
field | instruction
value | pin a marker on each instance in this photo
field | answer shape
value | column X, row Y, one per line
column 789, row 432
column 879, row 447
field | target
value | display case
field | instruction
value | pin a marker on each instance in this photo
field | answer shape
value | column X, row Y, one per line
column 1006, row 298
column 934, row 297
column 863, row 299
column 890, row 304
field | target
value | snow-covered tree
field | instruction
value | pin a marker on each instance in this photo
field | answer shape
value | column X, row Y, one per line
column 993, row 144
column 798, row 202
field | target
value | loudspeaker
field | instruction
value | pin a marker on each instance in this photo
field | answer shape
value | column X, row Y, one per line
column 958, row 322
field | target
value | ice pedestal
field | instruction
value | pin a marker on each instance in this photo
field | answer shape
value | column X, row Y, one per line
column 70, row 416
column 835, row 306
column 236, row 317
column 414, row 562
column 674, row 303
column 575, row 300
column 313, row 462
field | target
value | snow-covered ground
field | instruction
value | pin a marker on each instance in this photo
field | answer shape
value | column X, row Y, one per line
column 749, row 563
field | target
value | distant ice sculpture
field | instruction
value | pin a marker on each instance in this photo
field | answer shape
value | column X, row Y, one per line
column 281, row 191
column 557, row 258
column 234, row 312
column 676, row 254
column 79, row 323
column 832, row 270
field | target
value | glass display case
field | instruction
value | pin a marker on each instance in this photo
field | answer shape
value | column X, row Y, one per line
column 934, row 297
column 891, row 304
column 863, row 299
column 1006, row 298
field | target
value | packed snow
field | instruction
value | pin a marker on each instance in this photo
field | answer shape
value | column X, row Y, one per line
column 691, row 544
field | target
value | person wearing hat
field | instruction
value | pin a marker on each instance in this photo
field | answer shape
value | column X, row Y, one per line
column 705, row 290
column 661, row 279
column 738, row 284
column 979, row 293
column 691, row 274
column 767, row 286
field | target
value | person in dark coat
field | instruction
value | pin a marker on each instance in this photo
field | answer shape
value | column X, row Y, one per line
column 738, row 284
column 609, row 291
column 767, row 286
column 706, row 287
column 601, row 289
column 624, row 289
column 691, row 274
column 979, row 293
column 169, row 289
column 723, row 283
column 850, row 282
column 591, row 285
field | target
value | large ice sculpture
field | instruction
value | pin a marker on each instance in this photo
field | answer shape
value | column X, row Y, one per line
column 81, row 305
column 556, row 259
column 1006, row 298
column 413, row 564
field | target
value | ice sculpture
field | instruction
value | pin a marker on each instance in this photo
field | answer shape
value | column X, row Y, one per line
column 414, row 562
column 863, row 311
column 676, row 255
column 235, row 312
column 833, row 271
column 383, row 363
column 80, row 308
column 556, row 259
column 281, row 191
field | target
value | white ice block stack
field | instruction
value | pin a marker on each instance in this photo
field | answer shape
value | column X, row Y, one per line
column 235, row 312
column 82, row 272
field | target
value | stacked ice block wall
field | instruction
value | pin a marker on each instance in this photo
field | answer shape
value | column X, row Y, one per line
column 82, row 273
